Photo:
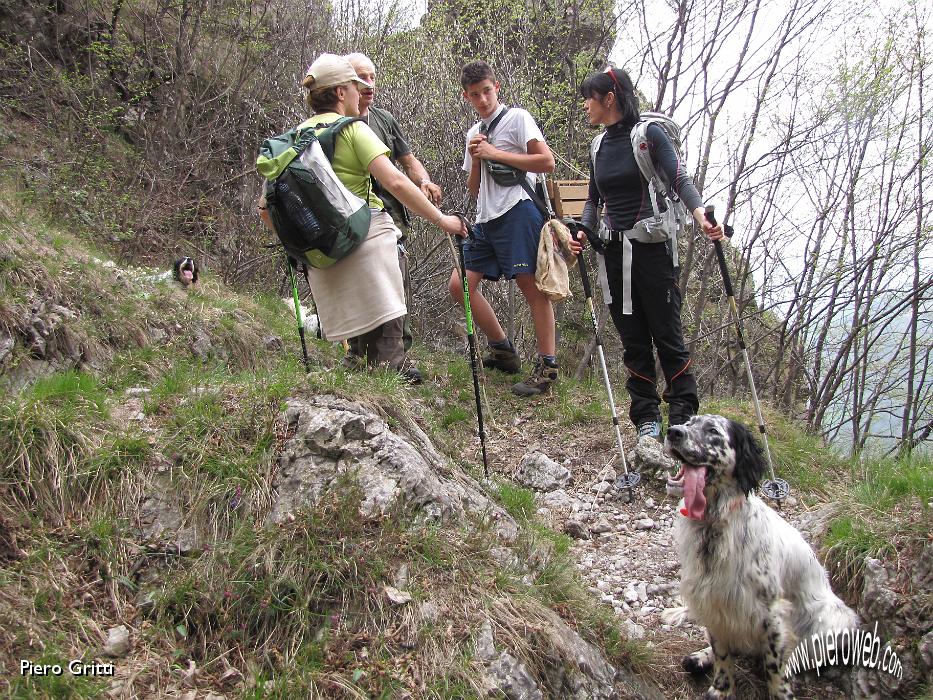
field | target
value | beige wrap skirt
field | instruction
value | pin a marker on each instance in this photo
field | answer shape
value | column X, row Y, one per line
column 364, row 290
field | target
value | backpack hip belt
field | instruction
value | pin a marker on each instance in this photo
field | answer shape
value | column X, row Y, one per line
column 626, row 238
column 640, row 233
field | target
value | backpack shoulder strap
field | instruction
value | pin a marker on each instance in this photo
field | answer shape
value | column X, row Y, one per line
column 641, row 149
column 594, row 149
column 328, row 137
column 276, row 152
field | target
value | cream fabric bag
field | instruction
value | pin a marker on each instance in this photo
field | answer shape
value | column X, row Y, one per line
column 551, row 276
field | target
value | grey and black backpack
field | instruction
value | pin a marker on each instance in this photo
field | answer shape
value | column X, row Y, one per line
column 669, row 213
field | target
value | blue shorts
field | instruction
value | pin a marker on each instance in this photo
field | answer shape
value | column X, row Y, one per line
column 506, row 246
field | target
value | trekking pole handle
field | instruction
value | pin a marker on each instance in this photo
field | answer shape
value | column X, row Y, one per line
column 594, row 240
column 720, row 255
column 575, row 227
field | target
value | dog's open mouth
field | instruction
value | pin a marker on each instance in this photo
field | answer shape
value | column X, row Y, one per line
column 694, row 480
column 186, row 274
column 694, row 499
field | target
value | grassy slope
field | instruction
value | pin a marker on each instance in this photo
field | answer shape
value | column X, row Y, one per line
column 294, row 609
column 291, row 610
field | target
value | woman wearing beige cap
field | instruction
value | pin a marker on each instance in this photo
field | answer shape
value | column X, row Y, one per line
column 362, row 295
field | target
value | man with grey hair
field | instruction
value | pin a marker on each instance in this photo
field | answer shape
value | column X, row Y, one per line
column 387, row 128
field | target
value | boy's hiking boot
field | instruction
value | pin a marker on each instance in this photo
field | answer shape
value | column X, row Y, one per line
column 650, row 428
column 539, row 382
column 503, row 360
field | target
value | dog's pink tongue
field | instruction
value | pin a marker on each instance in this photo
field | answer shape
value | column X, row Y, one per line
column 694, row 500
column 187, row 275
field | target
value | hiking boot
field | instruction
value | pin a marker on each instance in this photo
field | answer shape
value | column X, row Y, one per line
column 506, row 361
column 411, row 374
column 650, row 428
column 539, row 382
column 354, row 362
column 408, row 371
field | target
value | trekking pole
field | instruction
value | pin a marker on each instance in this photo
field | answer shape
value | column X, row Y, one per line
column 627, row 480
column 490, row 416
column 471, row 341
column 298, row 315
column 319, row 333
column 774, row 488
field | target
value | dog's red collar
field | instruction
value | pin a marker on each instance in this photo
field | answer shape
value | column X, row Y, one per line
column 734, row 505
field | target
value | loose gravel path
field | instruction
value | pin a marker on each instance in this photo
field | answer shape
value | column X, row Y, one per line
column 626, row 555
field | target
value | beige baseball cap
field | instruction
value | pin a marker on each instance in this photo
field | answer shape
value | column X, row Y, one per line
column 330, row 69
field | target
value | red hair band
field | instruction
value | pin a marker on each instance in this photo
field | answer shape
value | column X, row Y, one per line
column 611, row 71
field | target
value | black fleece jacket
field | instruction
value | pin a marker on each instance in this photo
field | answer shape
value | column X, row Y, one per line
column 619, row 185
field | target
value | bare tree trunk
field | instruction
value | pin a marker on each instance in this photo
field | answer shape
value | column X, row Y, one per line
column 909, row 418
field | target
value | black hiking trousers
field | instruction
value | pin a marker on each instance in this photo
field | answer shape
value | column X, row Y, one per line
column 654, row 324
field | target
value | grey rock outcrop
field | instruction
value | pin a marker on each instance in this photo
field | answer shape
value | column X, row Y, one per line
column 556, row 499
column 6, row 346
column 583, row 674
column 879, row 602
column 902, row 621
column 571, row 668
column 649, row 459
column 335, row 438
column 118, row 642
column 577, row 530
column 46, row 341
column 504, row 673
column 201, row 346
column 813, row 524
column 162, row 520
column 922, row 577
column 273, row 343
column 925, row 649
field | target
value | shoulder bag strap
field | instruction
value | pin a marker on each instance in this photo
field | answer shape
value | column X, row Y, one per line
column 494, row 123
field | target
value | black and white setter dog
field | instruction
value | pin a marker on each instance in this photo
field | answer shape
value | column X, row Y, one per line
column 185, row 271
column 747, row 575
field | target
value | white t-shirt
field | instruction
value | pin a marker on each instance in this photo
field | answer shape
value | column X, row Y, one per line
column 512, row 134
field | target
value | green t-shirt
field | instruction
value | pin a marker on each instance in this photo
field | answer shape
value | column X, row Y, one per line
column 356, row 147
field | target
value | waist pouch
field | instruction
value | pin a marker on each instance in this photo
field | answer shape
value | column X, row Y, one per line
column 504, row 175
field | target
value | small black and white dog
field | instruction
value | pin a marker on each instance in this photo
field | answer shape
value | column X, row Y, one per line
column 185, row 271
column 747, row 575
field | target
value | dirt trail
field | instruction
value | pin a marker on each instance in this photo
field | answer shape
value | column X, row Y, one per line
column 628, row 560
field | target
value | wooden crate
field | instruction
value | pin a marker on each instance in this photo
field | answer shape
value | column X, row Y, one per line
column 568, row 196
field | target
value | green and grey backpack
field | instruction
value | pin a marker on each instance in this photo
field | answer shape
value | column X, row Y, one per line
column 318, row 220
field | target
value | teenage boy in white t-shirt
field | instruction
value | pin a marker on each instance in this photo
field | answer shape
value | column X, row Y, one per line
column 508, row 225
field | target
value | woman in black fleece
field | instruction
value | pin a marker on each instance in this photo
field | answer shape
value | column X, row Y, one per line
column 617, row 184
